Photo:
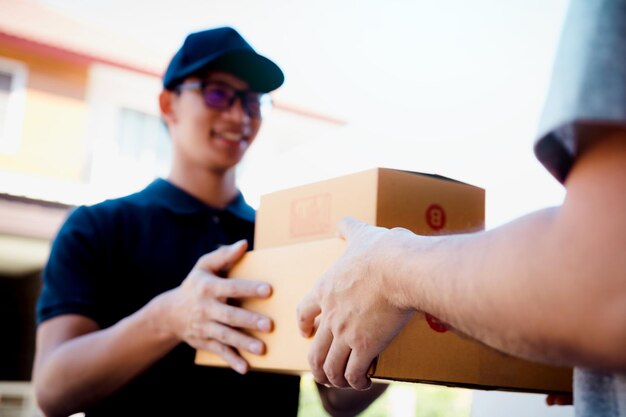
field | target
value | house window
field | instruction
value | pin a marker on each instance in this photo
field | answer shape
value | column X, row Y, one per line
column 12, row 101
column 142, row 139
column 138, row 152
column 128, row 143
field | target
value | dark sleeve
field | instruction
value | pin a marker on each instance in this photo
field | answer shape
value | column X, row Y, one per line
column 71, row 274
column 588, row 86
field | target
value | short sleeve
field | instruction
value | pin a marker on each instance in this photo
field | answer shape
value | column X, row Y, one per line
column 588, row 86
column 71, row 273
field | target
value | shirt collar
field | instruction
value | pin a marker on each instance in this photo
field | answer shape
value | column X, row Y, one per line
column 175, row 199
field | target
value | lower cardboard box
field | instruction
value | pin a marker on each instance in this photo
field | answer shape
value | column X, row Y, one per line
column 422, row 352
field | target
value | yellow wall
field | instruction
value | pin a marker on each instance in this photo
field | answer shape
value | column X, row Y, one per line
column 53, row 140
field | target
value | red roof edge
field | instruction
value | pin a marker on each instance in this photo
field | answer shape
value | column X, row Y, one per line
column 308, row 113
column 67, row 55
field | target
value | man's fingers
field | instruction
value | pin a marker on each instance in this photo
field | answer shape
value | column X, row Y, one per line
column 230, row 337
column 223, row 258
column 306, row 313
column 230, row 355
column 236, row 288
column 238, row 317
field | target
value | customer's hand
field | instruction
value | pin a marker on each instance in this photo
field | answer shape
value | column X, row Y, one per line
column 355, row 310
column 199, row 314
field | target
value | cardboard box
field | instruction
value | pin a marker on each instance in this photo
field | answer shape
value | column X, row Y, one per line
column 294, row 246
column 418, row 354
column 425, row 204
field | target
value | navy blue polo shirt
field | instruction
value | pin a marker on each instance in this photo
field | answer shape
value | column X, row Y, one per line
column 108, row 260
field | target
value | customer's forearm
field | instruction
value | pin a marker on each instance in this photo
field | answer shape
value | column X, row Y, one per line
column 549, row 286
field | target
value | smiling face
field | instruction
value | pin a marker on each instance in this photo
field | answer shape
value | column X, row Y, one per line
column 208, row 138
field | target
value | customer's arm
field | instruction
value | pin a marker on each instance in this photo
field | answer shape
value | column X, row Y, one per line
column 549, row 287
column 77, row 363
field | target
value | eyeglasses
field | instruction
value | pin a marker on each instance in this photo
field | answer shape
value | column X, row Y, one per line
column 221, row 96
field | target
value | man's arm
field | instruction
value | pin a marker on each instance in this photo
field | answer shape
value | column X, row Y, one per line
column 77, row 363
column 550, row 286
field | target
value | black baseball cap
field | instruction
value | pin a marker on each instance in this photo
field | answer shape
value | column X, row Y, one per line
column 226, row 50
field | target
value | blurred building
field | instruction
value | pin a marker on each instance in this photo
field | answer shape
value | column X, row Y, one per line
column 79, row 122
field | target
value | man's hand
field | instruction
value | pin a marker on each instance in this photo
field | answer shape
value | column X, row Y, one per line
column 199, row 314
column 352, row 310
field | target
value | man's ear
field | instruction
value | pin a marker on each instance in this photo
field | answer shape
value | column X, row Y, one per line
column 166, row 101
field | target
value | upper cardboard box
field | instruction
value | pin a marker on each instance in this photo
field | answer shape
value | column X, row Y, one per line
column 424, row 204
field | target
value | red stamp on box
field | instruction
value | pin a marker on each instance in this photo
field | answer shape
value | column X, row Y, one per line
column 436, row 217
column 436, row 324
column 311, row 216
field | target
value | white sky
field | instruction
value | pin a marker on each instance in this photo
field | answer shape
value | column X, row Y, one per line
column 452, row 87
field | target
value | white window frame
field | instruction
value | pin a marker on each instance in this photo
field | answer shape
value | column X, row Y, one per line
column 109, row 90
column 12, row 132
